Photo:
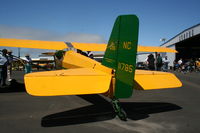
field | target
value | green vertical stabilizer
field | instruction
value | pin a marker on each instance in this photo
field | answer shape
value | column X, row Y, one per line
column 121, row 52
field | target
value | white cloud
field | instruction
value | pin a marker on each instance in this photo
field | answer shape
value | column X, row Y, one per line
column 25, row 33
column 37, row 34
column 86, row 38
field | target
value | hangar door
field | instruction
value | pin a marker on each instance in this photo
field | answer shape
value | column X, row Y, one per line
column 189, row 48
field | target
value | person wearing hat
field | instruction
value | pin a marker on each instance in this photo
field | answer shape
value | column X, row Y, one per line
column 9, row 65
column 28, row 64
column 3, row 67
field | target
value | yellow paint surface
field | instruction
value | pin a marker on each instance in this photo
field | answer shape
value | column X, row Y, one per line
column 76, row 60
column 102, row 47
column 89, row 46
column 155, row 49
column 156, row 80
column 59, row 45
column 52, row 45
column 67, row 82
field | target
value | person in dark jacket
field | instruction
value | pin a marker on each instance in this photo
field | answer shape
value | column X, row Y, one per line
column 151, row 62
column 159, row 62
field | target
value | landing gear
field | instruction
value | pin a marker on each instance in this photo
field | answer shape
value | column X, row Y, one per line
column 119, row 110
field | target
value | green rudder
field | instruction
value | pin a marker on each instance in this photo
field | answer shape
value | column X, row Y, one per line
column 121, row 52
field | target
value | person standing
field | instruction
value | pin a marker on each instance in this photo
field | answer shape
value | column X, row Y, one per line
column 28, row 64
column 165, row 64
column 180, row 64
column 159, row 62
column 9, row 66
column 151, row 62
column 3, row 67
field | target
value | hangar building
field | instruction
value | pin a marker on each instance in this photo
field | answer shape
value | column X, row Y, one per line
column 187, row 43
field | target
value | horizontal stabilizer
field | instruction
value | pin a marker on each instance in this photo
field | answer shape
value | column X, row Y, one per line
column 148, row 80
column 76, row 60
column 67, row 82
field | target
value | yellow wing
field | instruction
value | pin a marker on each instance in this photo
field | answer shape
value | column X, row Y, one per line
column 89, row 46
column 148, row 80
column 67, row 82
column 52, row 45
column 155, row 49
column 59, row 45
column 102, row 47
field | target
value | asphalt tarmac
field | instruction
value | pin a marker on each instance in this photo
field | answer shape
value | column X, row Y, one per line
column 157, row 111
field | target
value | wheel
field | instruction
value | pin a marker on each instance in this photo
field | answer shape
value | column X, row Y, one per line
column 119, row 110
column 122, row 115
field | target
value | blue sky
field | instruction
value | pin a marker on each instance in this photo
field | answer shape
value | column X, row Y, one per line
column 92, row 20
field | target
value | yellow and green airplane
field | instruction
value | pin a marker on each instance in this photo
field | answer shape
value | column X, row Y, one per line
column 114, row 77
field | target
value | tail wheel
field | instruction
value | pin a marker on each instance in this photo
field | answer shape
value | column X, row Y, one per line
column 122, row 115
column 119, row 110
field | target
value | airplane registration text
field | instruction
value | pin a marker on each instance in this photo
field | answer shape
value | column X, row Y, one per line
column 127, row 45
column 125, row 67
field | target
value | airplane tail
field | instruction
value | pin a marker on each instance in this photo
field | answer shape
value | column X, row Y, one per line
column 121, row 52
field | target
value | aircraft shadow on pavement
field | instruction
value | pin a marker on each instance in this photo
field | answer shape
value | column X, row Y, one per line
column 141, row 110
column 14, row 86
column 102, row 110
